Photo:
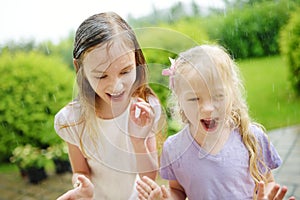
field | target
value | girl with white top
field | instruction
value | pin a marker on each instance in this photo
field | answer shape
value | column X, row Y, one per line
column 220, row 153
column 111, row 127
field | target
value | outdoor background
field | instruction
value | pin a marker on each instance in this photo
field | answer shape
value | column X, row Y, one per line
column 37, row 76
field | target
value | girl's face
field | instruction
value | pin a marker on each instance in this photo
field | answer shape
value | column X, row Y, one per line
column 203, row 102
column 111, row 76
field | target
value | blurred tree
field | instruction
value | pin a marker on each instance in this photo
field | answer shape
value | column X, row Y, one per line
column 33, row 88
column 177, row 11
column 290, row 48
column 195, row 9
column 25, row 46
column 252, row 31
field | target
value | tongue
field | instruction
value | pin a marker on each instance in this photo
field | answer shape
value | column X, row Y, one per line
column 209, row 123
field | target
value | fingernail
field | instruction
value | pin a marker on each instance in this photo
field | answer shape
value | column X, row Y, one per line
column 137, row 112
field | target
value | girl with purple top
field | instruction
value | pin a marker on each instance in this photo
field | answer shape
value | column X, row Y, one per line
column 220, row 153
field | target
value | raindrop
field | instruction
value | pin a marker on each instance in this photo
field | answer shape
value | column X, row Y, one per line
column 54, row 97
column 47, row 48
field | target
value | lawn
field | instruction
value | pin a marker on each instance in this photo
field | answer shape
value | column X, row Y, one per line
column 269, row 95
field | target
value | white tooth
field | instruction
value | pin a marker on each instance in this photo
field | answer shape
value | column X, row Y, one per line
column 137, row 112
column 116, row 94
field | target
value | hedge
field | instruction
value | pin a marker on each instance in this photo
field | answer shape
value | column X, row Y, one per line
column 251, row 31
column 290, row 48
column 33, row 88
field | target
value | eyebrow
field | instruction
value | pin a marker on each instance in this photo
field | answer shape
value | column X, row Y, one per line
column 128, row 65
column 97, row 71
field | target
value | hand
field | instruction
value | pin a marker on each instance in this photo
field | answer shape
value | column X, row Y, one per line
column 149, row 190
column 275, row 194
column 85, row 190
column 141, row 119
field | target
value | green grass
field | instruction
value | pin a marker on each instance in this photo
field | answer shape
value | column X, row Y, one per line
column 270, row 98
column 7, row 167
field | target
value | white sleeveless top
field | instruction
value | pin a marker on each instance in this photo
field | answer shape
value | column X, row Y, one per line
column 109, row 153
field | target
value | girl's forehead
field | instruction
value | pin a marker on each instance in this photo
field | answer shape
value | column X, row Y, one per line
column 105, row 55
column 194, row 81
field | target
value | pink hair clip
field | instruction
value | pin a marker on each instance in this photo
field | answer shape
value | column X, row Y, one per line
column 170, row 72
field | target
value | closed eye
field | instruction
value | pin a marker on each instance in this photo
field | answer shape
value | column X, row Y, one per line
column 193, row 99
column 218, row 96
column 127, row 70
column 101, row 77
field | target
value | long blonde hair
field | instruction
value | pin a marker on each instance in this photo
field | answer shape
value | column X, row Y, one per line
column 215, row 57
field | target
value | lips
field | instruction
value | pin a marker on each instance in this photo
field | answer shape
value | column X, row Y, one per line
column 209, row 125
column 116, row 96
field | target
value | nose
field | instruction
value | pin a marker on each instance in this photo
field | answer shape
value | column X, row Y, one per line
column 207, row 107
column 117, row 85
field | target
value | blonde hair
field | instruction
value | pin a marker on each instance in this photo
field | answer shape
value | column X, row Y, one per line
column 214, row 58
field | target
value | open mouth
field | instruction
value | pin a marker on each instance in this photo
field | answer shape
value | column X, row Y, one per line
column 116, row 96
column 209, row 124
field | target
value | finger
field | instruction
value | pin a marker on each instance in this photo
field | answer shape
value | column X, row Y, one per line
column 141, row 197
column 84, row 181
column 165, row 192
column 142, row 191
column 150, row 182
column 141, row 113
column 261, row 190
column 139, row 99
column 274, row 191
column 67, row 196
column 282, row 193
column 137, row 112
column 155, row 194
column 144, row 186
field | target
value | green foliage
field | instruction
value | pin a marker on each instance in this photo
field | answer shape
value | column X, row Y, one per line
column 27, row 156
column 252, row 31
column 271, row 100
column 160, row 43
column 190, row 29
column 58, row 151
column 290, row 48
column 33, row 88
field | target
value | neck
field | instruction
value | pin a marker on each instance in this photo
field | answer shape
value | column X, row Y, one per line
column 211, row 142
column 108, row 111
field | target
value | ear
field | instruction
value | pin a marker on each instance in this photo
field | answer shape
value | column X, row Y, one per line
column 76, row 64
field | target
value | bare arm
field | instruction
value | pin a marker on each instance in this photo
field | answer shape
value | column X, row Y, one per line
column 78, row 162
column 177, row 191
column 146, row 155
column 143, row 138
column 83, row 187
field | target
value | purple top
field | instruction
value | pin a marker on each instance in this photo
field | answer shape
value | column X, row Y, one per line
column 221, row 176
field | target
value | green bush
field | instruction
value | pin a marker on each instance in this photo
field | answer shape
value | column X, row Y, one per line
column 27, row 156
column 251, row 31
column 33, row 88
column 290, row 48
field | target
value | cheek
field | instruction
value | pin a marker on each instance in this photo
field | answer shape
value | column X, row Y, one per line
column 94, row 83
column 224, row 108
column 191, row 111
column 130, row 79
